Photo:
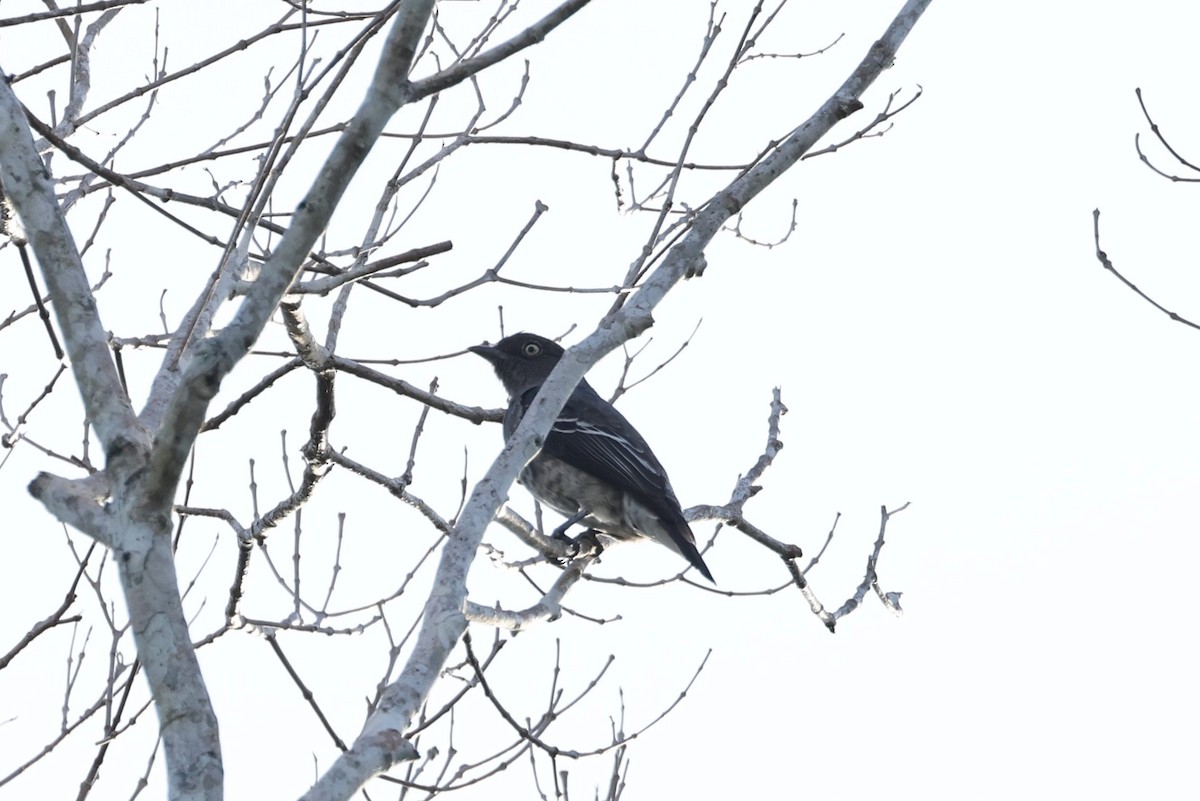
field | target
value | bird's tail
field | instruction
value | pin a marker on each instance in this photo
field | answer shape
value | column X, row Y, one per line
column 685, row 542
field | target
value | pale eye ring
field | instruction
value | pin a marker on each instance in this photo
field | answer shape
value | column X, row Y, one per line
column 531, row 349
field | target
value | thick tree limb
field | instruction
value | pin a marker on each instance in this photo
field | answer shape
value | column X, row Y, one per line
column 28, row 186
column 138, row 532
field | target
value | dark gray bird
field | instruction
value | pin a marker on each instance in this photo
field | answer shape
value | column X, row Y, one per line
column 594, row 466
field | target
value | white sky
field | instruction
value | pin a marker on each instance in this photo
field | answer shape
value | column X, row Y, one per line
column 943, row 335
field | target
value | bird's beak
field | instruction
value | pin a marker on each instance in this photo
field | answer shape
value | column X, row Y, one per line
column 488, row 352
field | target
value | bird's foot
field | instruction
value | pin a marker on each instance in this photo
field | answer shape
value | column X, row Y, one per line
column 592, row 538
column 576, row 545
column 560, row 535
column 571, row 543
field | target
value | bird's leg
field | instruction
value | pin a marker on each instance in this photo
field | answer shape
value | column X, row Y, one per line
column 560, row 533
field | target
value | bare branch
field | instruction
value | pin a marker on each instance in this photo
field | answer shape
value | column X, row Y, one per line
column 472, row 66
column 81, row 8
column 1137, row 142
column 1108, row 265
column 547, row 609
column 871, row 578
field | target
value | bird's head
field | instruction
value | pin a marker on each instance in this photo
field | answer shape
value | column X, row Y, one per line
column 522, row 361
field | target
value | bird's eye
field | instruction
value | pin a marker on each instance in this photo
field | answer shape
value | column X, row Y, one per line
column 531, row 349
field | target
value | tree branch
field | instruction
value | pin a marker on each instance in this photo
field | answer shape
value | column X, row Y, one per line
column 27, row 184
column 1108, row 265
column 215, row 357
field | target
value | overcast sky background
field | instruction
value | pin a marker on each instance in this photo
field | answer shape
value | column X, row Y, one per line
column 943, row 335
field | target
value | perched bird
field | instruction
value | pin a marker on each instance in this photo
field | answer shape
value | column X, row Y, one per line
column 594, row 466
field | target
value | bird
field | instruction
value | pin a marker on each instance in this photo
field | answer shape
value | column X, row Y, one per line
column 594, row 467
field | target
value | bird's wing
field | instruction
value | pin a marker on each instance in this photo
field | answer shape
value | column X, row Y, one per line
column 593, row 436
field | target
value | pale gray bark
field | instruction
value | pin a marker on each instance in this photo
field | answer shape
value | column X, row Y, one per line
column 128, row 507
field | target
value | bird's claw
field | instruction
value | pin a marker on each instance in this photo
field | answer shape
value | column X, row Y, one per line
column 560, row 535
column 575, row 544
